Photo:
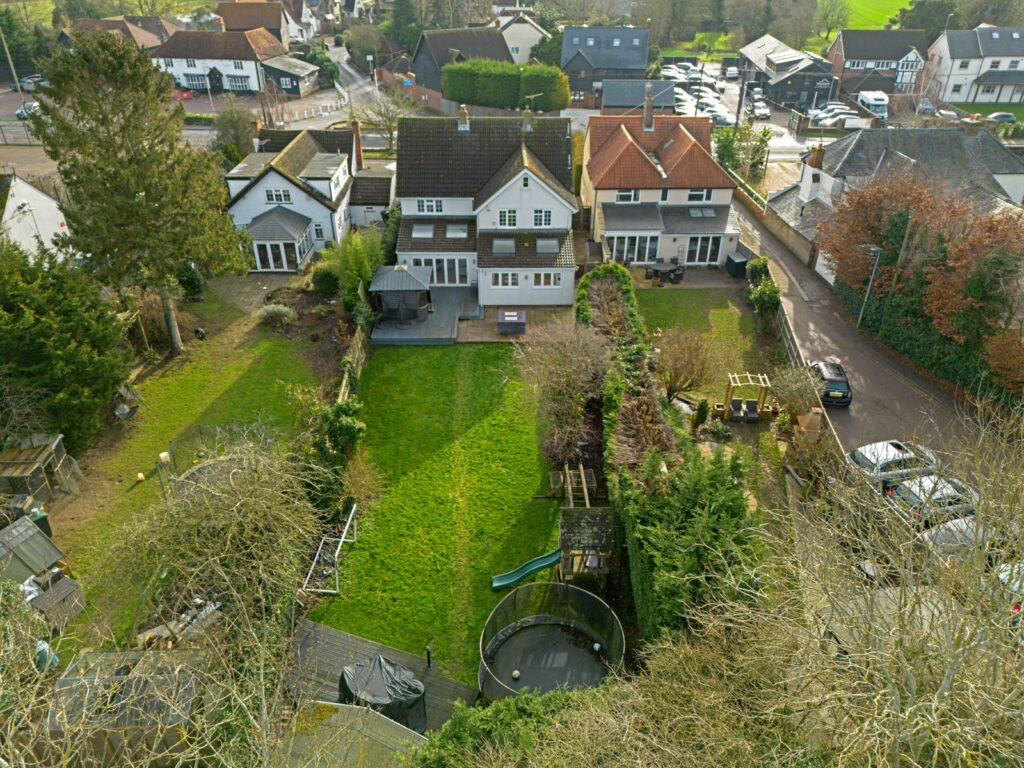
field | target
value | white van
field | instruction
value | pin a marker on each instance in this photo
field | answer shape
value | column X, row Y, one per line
column 875, row 101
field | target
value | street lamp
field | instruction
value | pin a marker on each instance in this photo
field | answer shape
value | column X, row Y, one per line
column 373, row 70
column 871, row 280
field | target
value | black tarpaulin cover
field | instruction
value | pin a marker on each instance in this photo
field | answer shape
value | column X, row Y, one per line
column 388, row 687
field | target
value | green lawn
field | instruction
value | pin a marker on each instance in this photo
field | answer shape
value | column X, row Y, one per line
column 236, row 375
column 722, row 317
column 457, row 440
column 988, row 109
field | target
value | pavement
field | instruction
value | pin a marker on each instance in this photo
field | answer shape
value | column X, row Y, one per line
column 890, row 400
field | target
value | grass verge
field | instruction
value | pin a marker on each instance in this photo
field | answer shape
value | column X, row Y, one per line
column 456, row 438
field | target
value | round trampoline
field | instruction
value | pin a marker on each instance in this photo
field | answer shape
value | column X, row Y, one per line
column 546, row 635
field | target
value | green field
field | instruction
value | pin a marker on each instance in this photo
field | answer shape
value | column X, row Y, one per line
column 987, row 109
column 455, row 436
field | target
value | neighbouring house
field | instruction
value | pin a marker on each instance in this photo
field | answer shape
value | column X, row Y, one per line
column 373, row 191
column 788, row 77
column 292, row 194
column 895, row 54
column 245, row 16
column 620, row 97
column 655, row 191
column 982, row 65
column 487, row 205
column 145, row 31
column 303, row 25
column 354, row 9
column 437, row 47
column 521, row 33
column 29, row 217
column 218, row 61
column 591, row 55
column 971, row 162
column 293, row 76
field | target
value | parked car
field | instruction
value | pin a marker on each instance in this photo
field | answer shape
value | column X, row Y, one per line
column 931, row 499
column 25, row 110
column 1002, row 117
column 707, row 104
column 837, row 120
column 890, row 460
column 723, row 117
column 833, row 383
column 925, row 107
column 946, row 114
column 823, row 108
column 831, row 112
column 957, row 540
column 732, row 73
column 31, row 83
column 761, row 111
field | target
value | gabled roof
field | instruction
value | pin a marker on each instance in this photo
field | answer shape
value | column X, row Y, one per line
column 985, row 41
column 436, row 159
column 522, row 160
column 447, row 45
column 630, row 93
column 882, row 44
column 948, row 154
column 121, row 27
column 155, row 25
column 253, row 45
column 239, row 17
column 675, row 155
column 279, row 223
column 372, row 186
column 521, row 19
column 607, row 47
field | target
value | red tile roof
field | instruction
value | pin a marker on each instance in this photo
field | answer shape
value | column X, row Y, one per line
column 675, row 155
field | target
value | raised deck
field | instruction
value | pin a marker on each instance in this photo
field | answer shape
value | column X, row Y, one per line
column 441, row 325
column 321, row 652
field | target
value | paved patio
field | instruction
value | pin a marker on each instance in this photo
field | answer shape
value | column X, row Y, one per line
column 694, row 277
column 486, row 328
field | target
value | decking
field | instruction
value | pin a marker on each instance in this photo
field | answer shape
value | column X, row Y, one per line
column 441, row 325
column 321, row 652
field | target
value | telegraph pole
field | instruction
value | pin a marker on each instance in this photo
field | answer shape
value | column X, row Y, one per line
column 10, row 63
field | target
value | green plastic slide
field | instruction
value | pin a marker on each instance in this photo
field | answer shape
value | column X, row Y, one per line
column 513, row 577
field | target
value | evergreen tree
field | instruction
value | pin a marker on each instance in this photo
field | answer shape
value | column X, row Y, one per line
column 139, row 198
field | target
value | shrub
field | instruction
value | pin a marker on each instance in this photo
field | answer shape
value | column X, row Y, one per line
column 757, row 270
column 503, row 84
column 364, row 316
column 277, row 316
column 325, row 280
column 766, row 298
column 190, row 279
column 339, row 41
column 718, row 430
column 701, row 414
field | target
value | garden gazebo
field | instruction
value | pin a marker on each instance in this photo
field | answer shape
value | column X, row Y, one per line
column 403, row 292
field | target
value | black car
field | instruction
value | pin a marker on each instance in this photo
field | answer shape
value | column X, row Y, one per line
column 831, row 377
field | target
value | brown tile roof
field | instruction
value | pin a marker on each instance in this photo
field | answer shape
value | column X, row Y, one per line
column 437, row 159
column 155, row 25
column 675, row 155
column 239, row 17
column 254, row 45
column 121, row 27
column 437, row 243
column 372, row 187
column 526, row 251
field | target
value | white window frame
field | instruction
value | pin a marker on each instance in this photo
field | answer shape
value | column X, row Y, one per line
column 699, row 195
column 238, row 65
column 286, row 82
column 190, row 63
column 627, row 196
column 429, row 205
column 279, row 196
column 504, row 279
column 318, row 231
column 507, row 218
column 238, row 83
column 547, row 279
column 957, row 88
column 541, row 217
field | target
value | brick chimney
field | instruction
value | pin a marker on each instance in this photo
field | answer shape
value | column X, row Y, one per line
column 648, row 119
column 463, row 118
column 816, row 157
column 527, row 120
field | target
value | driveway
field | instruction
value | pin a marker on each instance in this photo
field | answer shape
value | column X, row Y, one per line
column 890, row 400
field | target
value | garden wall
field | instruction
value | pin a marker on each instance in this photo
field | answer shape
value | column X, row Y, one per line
column 799, row 245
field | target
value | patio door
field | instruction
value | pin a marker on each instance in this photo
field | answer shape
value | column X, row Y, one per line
column 704, row 250
column 270, row 257
column 446, row 270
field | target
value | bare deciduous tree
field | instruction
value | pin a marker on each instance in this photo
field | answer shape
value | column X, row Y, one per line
column 380, row 114
column 683, row 362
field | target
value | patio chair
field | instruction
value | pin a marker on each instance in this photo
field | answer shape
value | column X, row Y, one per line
column 737, row 409
column 751, row 411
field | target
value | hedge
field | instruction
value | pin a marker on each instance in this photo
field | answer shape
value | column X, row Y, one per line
column 504, row 85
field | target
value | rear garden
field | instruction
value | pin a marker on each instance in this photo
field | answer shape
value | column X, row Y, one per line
column 455, row 437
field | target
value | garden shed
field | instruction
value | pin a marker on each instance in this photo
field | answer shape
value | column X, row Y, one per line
column 586, row 537
column 403, row 292
column 37, row 465
column 123, row 705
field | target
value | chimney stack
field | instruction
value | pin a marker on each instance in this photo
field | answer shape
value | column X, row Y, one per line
column 817, row 156
column 648, row 119
column 463, row 118
column 527, row 120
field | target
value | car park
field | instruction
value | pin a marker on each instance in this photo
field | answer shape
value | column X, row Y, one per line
column 1002, row 117
column 732, row 73
column 32, row 83
column 706, row 92
column 832, row 381
column 707, row 104
column 757, row 94
column 830, row 112
column 931, row 499
column 723, row 117
column 822, row 108
column 27, row 109
column 761, row 111
column 891, row 460
column 837, row 120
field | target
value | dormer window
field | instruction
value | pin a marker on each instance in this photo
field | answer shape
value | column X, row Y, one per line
column 429, row 206
column 456, row 231
column 995, row 64
column 590, row 41
column 636, row 42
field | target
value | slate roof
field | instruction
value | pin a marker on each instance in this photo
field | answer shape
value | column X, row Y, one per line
column 253, row 45
column 436, row 159
column 239, row 17
column 675, row 155
column 521, row 160
column 882, row 44
column 279, row 223
column 372, row 186
column 123, row 28
column 985, row 41
column 331, row 139
column 678, row 221
column 630, row 93
column 872, row 81
column 522, row 18
column 1000, row 77
column 291, row 65
column 525, row 255
column 471, row 42
column 604, row 54
column 803, row 217
column 758, row 52
column 642, row 217
column 438, row 242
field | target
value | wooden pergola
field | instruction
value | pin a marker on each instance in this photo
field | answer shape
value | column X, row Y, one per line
column 737, row 380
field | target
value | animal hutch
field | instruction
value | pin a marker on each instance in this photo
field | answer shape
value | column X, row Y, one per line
column 586, row 528
column 37, row 466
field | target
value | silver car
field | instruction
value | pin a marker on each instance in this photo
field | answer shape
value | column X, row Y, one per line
column 931, row 499
column 890, row 460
